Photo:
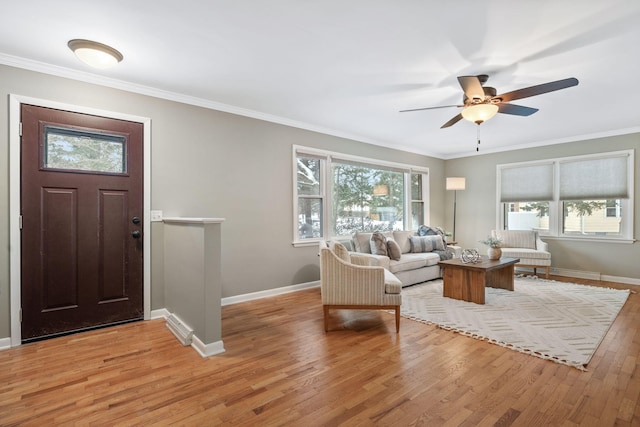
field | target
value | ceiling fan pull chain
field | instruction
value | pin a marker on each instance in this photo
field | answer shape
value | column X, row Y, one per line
column 478, row 145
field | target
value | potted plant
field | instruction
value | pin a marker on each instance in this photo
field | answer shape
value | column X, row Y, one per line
column 494, row 251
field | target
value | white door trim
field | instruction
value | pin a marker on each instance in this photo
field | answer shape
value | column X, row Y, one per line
column 14, row 199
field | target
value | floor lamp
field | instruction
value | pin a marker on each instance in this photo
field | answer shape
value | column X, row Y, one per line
column 455, row 183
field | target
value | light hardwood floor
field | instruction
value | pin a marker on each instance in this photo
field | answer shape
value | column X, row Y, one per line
column 280, row 368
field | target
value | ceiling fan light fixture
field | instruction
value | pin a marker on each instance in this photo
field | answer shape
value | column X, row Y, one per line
column 95, row 54
column 479, row 113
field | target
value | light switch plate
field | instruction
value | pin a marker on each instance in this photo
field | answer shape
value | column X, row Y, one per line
column 156, row 216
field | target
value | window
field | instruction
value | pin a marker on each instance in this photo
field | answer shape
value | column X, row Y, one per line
column 613, row 208
column 573, row 197
column 78, row 150
column 417, row 201
column 337, row 195
column 365, row 198
column 527, row 216
column 310, row 197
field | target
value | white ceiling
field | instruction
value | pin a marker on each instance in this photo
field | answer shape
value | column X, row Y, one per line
column 346, row 67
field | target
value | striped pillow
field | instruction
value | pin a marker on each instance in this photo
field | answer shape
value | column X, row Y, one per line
column 426, row 243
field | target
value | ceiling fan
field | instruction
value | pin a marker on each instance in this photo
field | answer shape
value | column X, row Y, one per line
column 480, row 103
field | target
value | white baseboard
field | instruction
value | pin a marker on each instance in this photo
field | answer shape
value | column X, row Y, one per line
column 5, row 343
column 206, row 350
column 617, row 279
column 162, row 313
column 269, row 293
column 590, row 275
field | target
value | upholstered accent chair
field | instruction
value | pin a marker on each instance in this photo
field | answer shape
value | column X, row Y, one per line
column 348, row 282
column 526, row 245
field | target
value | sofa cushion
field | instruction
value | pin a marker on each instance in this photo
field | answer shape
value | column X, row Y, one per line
column 402, row 239
column 393, row 250
column 360, row 242
column 392, row 285
column 517, row 238
column 426, row 243
column 414, row 261
column 378, row 244
column 524, row 253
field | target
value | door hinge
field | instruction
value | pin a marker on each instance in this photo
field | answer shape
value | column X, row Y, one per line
column 20, row 314
column 20, row 128
column 20, row 222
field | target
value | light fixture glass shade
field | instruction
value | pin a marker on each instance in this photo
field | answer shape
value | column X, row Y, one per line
column 480, row 112
column 456, row 183
column 95, row 54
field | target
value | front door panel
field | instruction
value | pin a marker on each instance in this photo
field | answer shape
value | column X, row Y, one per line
column 81, row 179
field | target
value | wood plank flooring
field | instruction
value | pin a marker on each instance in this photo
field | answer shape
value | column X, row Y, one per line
column 282, row 369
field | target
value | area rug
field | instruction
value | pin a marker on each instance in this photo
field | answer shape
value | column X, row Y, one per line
column 562, row 322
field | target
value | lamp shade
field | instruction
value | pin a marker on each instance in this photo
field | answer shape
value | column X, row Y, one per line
column 380, row 190
column 480, row 112
column 456, row 183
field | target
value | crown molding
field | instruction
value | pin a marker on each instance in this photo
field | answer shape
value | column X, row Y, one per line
column 99, row 80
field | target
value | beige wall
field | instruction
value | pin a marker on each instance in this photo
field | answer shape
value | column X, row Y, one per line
column 477, row 216
column 207, row 163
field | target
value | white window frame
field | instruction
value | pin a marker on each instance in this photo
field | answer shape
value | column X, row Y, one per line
column 556, row 210
column 329, row 157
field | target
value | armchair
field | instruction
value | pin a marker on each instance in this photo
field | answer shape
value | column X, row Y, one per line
column 526, row 245
column 347, row 285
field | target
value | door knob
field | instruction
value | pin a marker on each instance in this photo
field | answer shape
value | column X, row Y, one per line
column 135, row 234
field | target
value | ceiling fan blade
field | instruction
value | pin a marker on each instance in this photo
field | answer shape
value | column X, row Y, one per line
column 472, row 87
column 538, row 89
column 516, row 110
column 430, row 108
column 451, row 122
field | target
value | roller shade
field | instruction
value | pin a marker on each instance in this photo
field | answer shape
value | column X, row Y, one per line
column 531, row 183
column 595, row 179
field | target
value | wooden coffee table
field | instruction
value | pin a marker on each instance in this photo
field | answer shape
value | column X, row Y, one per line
column 467, row 282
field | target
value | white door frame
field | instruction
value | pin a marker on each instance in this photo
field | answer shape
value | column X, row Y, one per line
column 15, row 261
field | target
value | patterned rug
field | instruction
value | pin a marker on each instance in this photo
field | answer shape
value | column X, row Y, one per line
column 562, row 322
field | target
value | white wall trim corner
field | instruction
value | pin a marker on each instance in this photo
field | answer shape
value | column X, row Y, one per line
column 206, row 350
column 14, row 200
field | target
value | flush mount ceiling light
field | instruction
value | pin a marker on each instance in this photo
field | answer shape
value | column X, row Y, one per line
column 479, row 113
column 95, row 54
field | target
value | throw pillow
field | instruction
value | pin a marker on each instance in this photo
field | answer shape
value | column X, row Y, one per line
column 378, row 244
column 426, row 243
column 393, row 249
column 341, row 252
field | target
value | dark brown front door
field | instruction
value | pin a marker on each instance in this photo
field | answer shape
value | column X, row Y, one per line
column 82, row 210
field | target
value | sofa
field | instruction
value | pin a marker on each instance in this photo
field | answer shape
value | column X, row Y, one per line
column 412, row 258
column 526, row 245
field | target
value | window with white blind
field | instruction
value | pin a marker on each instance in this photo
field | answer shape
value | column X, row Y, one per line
column 337, row 194
column 574, row 197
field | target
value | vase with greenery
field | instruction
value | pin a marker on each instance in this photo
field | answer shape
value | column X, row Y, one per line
column 494, row 251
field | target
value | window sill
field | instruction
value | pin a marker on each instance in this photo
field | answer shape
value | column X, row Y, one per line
column 306, row 242
column 590, row 239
